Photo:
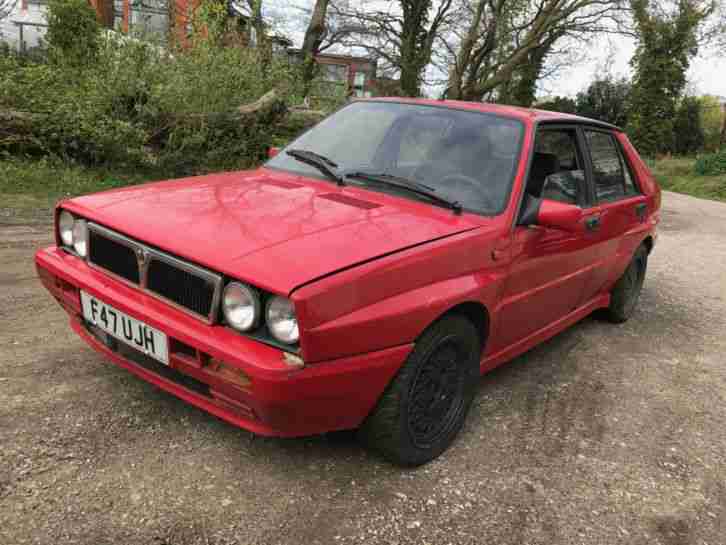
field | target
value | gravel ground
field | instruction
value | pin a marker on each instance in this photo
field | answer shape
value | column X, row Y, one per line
column 605, row 434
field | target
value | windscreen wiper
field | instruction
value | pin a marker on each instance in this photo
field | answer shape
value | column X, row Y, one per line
column 408, row 185
column 365, row 175
column 322, row 163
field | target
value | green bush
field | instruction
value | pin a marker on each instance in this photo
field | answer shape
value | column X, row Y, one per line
column 140, row 105
column 73, row 32
column 712, row 164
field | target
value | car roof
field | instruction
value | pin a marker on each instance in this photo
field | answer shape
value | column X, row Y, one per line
column 516, row 112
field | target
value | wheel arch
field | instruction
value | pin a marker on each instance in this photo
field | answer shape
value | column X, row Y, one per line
column 474, row 311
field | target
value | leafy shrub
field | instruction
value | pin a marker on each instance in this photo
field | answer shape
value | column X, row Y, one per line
column 73, row 32
column 712, row 164
column 141, row 105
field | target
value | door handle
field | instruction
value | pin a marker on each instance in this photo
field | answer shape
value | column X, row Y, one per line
column 640, row 210
column 592, row 223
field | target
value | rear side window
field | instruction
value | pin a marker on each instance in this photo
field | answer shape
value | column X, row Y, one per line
column 611, row 176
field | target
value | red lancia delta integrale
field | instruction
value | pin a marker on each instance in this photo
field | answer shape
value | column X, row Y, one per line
column 367, row 273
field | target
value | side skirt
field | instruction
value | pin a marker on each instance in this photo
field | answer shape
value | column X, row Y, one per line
column 547, row 332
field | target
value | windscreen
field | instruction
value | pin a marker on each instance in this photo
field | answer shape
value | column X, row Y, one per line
column 465, row 156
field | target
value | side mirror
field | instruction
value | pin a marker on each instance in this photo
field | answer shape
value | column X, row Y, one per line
column 272, row 151
column 559, row 215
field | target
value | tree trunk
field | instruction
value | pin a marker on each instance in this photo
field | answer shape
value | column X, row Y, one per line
column 313, row 38
column 455, row 90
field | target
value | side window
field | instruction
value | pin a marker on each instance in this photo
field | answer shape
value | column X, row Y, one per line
column 556, row 172
column 611, row 176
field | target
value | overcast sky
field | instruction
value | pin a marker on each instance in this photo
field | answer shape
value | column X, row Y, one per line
column 707, row 74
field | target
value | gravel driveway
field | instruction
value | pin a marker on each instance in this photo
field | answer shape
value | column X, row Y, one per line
column 605, row 434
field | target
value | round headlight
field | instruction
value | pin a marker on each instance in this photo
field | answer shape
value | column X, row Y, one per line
column 65, row 228
column 241, row 306
column 80, row 237
column 281, row 320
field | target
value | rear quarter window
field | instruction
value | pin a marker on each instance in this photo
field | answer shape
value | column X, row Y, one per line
column 611, row 175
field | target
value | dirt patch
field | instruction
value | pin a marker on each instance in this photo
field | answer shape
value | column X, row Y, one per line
column 605, row 434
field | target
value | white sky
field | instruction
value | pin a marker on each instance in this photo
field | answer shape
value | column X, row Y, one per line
column 706, row 76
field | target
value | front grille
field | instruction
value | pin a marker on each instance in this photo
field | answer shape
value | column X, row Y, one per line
column 180, row 286
column 113, row 256
column 182, row 283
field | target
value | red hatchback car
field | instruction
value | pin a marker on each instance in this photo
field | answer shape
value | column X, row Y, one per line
column 368, row 273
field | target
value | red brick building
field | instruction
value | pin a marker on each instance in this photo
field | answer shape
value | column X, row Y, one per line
column 345, row 74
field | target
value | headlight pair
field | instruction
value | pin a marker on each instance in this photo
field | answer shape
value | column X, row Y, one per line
column 73, row 232
column 242, row 309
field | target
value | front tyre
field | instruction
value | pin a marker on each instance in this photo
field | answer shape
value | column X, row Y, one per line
column 425, row 405
column 626, row 292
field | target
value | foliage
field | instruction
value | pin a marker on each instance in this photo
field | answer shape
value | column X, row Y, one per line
column 73, row 32
column 558, row 104
column 677, row 174
column 138, row 105
column 605, row 99
column 687, row 129
column 210, row 21
column 666, row 44
column 712, row 120
column 713, row 164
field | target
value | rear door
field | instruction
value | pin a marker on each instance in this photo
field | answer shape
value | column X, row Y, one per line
column 616, row 221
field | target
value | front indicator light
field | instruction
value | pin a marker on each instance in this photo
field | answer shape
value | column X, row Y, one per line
column 229, row 373
column 282, row 321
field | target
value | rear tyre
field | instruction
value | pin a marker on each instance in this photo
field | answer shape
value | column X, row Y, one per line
column 425, row 405
column 624, row 296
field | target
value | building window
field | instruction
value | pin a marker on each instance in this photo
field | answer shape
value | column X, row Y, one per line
column 335, row 73
column 359, row 84
column 149, row 17
column 118, row 14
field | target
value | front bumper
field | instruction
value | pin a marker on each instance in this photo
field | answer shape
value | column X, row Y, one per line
column 266, row 395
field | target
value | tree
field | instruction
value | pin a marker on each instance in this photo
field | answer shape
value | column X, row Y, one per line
column 7, row 7
column 502, row 44
column 402, row 36
column 605, row 99
column 558, row 104
column 313, row 39
column 687, row 127
column 710, row 108
column 667, row 41
column 257, row 23
column 521, row 88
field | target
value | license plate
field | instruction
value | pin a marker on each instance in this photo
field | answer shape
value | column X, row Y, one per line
column 123, row 327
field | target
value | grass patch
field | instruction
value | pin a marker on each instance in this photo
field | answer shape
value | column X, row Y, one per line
column 678, row 174
column 54, row 179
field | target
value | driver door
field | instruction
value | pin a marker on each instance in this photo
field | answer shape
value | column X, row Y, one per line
column 549, row 268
